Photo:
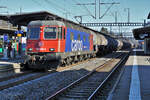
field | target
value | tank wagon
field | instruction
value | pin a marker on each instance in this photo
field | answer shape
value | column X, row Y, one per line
column 53, row 43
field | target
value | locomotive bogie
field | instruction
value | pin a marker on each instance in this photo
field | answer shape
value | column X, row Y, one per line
column 46, row 60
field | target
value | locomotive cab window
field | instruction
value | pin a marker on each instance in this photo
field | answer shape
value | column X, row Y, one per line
column 33, row 32
column 50, row 33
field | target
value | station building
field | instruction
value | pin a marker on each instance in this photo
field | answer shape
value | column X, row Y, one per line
column 143, row 35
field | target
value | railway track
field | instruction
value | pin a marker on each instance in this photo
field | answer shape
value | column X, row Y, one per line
column 14, row 76
column 5, row 68
column 88, row 86
column 101, row 93
column 78, row 63
column 14, row 80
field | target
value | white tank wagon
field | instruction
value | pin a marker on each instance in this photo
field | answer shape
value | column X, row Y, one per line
column 120, row 44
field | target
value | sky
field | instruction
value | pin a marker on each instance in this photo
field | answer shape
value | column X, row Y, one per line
column 139, row 9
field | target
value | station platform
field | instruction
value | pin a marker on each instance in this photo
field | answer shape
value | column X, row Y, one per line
column 10, row 64
column 134, row 83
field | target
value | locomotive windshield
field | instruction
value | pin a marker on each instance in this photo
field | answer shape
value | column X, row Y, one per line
column 50, row 33
column 33, row 32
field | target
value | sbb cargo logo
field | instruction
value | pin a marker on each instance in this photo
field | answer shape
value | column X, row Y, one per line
column 76, row 45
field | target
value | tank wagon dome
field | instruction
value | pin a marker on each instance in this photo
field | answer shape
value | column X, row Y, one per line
column 104, row 40
column 46, row 22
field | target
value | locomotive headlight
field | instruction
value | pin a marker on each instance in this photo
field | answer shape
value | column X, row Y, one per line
column 51, row 49
column 30, row 49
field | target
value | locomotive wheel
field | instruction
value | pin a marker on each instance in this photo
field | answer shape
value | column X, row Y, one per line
column 68, row 61
column 53, row 66
column 89, row 56
column 85, row 57
column 72, row 60
column 81, row 58
column 63, row 63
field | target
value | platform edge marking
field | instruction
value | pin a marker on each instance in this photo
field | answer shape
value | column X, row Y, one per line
column 135, row 92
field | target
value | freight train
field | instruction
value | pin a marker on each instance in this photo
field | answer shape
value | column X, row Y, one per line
column 53, row 43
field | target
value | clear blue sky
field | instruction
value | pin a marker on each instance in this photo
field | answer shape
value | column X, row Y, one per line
column 139, row 9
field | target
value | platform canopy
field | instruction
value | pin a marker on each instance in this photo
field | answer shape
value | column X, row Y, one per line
column 141, row 33
column 24, row 18
column 7, row 31
column 144, row 32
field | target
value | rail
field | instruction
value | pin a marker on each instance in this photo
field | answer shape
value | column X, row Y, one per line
column 94, row 94
column 58, row 93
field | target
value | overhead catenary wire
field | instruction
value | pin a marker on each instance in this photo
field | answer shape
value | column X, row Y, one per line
column 39, row 4
column 57, row 7
column 106, row 11
column 45, row 7
column 84, row 7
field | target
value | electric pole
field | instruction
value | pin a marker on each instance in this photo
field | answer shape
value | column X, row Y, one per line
column 115, row 16
column 20, row 10
column 95, row 9
column 128, row 10
column 95, row 16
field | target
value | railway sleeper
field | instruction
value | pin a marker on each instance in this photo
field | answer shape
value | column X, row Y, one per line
column 80, row 91
column 74, row 96
column 83, row 89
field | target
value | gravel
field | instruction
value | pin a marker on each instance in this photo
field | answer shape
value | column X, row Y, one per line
column 39, row 88
column 45, row 86
column 17, row 79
